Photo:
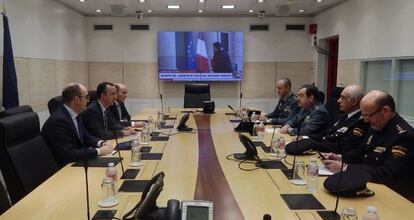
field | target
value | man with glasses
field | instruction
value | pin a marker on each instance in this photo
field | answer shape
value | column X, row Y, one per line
column 98, row 118
column 65, row 133
column 387, row 153
column 345, row 134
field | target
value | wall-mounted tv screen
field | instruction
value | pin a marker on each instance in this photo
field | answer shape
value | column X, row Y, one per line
column 200, row 56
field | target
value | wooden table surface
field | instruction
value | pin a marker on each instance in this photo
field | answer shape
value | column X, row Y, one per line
column 196, row 167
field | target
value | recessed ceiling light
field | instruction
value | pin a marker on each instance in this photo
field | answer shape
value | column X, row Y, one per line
column 98, row 10
column 250, row 11
column 173, row 7
column 200, row 11
column 301, row 10
column 142, row 1
column 82, row 0
column 260, row 1
column 228, row 6
column 201, row 1
column 149, row 11
column 319, row 1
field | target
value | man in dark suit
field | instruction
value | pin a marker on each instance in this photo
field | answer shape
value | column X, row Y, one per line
column 65, row 133
column 344, row 135
column 99, row 120
column 286, row 108
column 118, row 108
column 311, row 118
column 221, row 62
column 387, row 153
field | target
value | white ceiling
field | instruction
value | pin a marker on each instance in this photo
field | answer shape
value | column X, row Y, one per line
column 210, row 7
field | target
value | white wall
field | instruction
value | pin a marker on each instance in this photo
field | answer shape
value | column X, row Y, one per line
column 370, row 28
column 45, row 29
column 123, row 45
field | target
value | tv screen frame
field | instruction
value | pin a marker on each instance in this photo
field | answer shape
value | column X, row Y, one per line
column 200, row 56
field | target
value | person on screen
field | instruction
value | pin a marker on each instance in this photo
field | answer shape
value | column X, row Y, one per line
column 221, row 62
column 65, row 133
column 286, row 108
column 387, row 153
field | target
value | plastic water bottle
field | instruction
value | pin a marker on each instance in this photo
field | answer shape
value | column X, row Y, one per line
column 151, row 124
column 145, row 134
column 371, row 214
column 253, row 117
column 279, row 148
column 255, row 126
column 112, row 173
column 261, row 130
column 313, row 174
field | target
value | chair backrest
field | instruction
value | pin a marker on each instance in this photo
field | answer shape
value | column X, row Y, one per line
column 54, row 104
column 92, row 95
column 25, row 159
column 332, row 104
column 321, row 97
column 4, row 199
column 16, row 110
column 195, row 94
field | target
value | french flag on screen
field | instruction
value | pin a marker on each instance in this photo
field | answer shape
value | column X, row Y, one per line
column 201, row 57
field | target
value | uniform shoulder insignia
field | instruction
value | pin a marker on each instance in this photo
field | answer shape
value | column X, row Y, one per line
column 380, row 149
column 400, row 129
column 358, row 132
column 399, row 151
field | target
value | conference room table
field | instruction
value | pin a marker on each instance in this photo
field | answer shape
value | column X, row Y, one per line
column 196, row 167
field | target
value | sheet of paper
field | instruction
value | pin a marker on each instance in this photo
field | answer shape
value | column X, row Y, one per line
column 323, row 171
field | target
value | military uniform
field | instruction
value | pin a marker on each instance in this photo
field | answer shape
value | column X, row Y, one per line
column 388, row 155
column 343, row 136
column 285, row 110
column 313, row 122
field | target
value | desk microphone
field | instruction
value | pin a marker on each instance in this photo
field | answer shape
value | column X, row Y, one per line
column 85, row 165
column 162, row 104
column 273, row 135
column 241, row 98
column 235, row 112
column 289, row 173
column 119, row 153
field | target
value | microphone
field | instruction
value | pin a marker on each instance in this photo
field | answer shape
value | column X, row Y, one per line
column 235, row 112
column 273, row 135
column 129, row 173
column 267, row 217
column 241, row 98
column 162, row 104
column 289, row 172
column 119, row 152
column 85, row 165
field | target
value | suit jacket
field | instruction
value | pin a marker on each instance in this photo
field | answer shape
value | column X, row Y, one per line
column 312, row 122
column 94, row 122
column 61, row 135
column 124, row 113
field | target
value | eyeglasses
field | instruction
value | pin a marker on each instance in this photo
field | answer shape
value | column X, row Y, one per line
column 372, row 114
column 84, row 96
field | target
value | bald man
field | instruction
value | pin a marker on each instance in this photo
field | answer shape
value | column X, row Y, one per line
column 118, row 108
column 388, row 152
column 65, row 133
column 286, row 108
column 345, row 134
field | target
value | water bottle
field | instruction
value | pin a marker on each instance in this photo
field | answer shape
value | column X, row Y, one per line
column 261, row 130
column 145, row 134
column 255, row 126
column 349, row 214
column 151, row 124
column 136, row 154
column 371, row 214
column 280, row 148
column 313, row 174
column 253, row 117
column 112, row 173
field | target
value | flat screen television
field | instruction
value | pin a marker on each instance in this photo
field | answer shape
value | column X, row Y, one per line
column 200, row 56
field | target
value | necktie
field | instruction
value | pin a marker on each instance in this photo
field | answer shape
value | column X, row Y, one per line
column 106, row 120
column 81, row 132
column 119, row 111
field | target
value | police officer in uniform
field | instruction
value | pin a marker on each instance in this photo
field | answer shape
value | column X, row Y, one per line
column 312, row 116
column 345, row 134
column 286, row 108
column 387, row 153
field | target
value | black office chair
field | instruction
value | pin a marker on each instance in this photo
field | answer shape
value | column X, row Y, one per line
column 195, row 94
column 16, row 110
column 92, row 95
column 25, row 159
column 321, row 97
column 4, row 199
column 54, row 104
column 332, row 105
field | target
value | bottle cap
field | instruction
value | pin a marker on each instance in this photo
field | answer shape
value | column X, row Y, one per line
column 111, row 164
column 371, row 209
column 313, row 159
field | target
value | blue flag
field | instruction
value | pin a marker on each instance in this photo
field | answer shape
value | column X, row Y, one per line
column 190, row 61
column 10, row 93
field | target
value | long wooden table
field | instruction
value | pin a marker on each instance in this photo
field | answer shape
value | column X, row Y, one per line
column 196, row 167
